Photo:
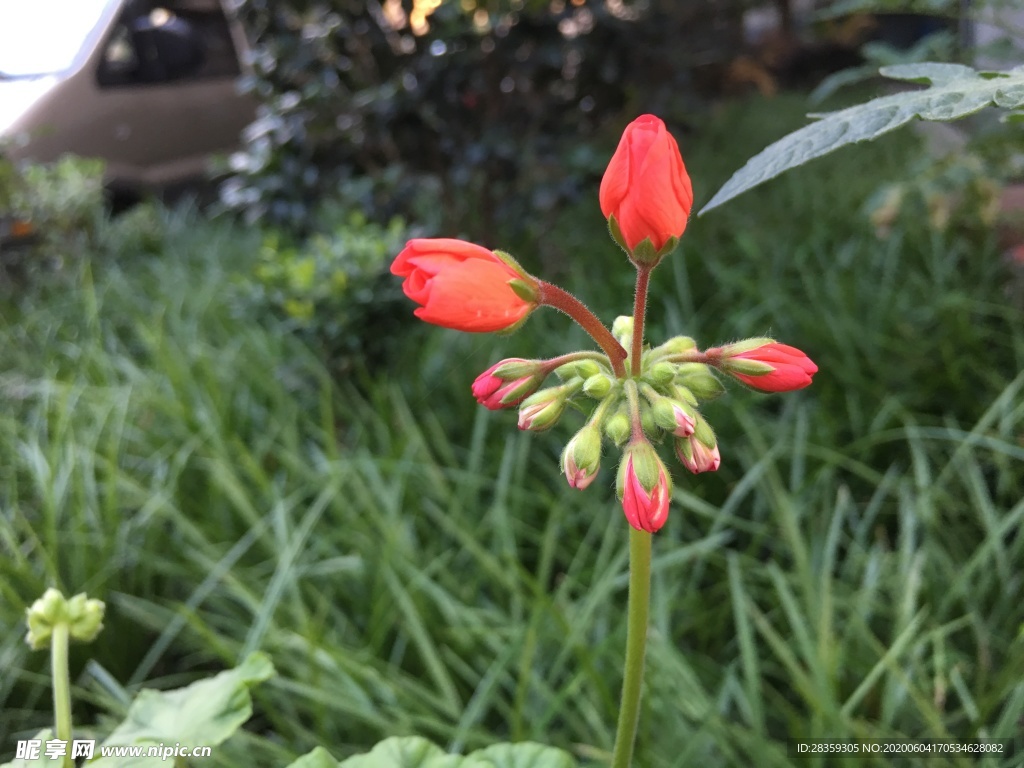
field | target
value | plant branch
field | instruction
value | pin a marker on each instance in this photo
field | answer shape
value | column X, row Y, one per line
column 553, row 296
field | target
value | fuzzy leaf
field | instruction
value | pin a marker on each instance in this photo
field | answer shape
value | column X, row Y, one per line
column 955, row 91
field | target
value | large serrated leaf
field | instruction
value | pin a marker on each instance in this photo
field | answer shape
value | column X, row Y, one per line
column 956, row 91
column 524, row 755
column 202, row 714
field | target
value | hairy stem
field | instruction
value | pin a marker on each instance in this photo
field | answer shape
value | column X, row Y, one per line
column 553, row 296
column 643, row 278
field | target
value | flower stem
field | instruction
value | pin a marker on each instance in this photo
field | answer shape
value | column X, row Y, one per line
column 61, row 687
column 553, row 296
column 636, row 645
column 643, row 278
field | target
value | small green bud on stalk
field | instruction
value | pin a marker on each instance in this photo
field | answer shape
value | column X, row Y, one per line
column 581, row 458
column 617, row 426
column 700, row 381
column 598, row 386
column 662, row 373
column 542, row 410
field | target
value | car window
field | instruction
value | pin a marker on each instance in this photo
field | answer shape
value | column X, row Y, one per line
column 158, row 46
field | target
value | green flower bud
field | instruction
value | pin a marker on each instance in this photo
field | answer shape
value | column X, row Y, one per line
column 677, row 345
column 542, row 410
column 673, row 416
column 698, row 378
column 617, row 427
column 662, row 373
column 598, row 386
column 702, row 431
column 581, row 458
column 622, row 330
column 83, row 616
column 584, row 369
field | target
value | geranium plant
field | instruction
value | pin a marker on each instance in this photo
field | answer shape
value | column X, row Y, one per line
column 638, row 396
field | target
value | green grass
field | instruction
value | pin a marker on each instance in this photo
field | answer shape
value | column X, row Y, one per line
column 414, row 564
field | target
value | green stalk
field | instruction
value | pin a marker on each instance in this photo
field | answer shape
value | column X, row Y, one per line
column 61, row 686
column 638, row 612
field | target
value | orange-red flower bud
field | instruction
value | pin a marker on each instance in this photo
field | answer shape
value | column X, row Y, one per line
column 646, row 187
column 461, row 285
column 770, row 367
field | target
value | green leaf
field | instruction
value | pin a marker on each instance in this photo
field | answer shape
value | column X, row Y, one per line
column 524, row 755
column 202, row 714
column 318, row 758
column 415, row 752
column 956, row 91
column 404, row 752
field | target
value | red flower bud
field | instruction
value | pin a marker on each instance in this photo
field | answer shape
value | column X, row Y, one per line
column 645, row 488
column 461, row 285
column 646, row 187
column 508, row 383
column 773, row 367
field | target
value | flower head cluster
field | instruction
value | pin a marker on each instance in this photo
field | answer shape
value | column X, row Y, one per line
column 638, row 398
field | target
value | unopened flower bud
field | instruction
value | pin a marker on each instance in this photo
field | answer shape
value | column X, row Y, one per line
column 584, row 369
column 673, row 416
column 508, row 383
column 622, row 330
column 581, row 458
column 696, row 456
column 83, row 616
column 598, row 386
column 650, row 426
column 542, row 410
column 662, row 373
column 644, row 486
column 697, row 378
column 676, row 345
column 617, row 427
column 768, row 366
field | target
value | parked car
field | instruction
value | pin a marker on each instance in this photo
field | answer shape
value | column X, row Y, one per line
column 148, row 86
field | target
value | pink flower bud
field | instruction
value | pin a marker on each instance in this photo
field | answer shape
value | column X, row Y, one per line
column 581, row 459
column 696, row 456
column 508, row 383
column 673, row 416
column 645, row 488
column 542, row 410
column 768, row 367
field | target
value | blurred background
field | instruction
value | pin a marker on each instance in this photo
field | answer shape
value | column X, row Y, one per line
column 221, row 417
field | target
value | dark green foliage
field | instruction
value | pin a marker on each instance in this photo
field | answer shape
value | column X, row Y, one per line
column 490, row 120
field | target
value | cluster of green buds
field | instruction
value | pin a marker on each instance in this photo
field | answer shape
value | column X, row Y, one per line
column 635, row 413
column 82, row 615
